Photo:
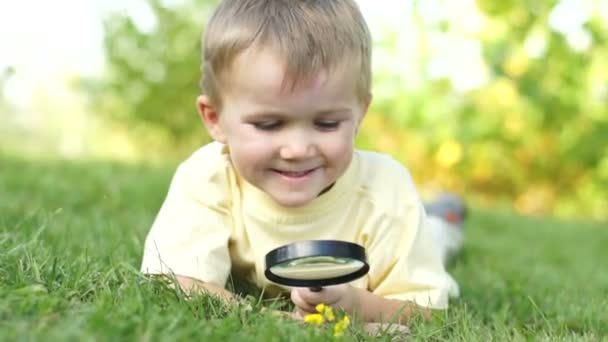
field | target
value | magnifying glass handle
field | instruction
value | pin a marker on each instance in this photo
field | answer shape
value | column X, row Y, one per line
column 315, row 289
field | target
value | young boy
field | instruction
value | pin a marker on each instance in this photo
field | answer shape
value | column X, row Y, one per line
column 286, row 85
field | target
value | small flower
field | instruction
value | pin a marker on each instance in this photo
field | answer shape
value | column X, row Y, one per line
column 340, row 326
column 326, row 311
column 316, row 318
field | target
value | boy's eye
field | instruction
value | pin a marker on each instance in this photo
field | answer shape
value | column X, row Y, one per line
column 327, row 125
column 267, row 125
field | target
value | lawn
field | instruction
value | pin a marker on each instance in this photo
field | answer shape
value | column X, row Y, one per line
column 71, row 237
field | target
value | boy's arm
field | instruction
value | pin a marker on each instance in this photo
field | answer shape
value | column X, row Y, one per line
column 374, row 308
column 366, row 305
column 190, row 235
column 194, row 286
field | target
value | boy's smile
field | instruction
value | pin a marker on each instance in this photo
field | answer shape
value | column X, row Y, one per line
column 295, row 175
column 291, row 143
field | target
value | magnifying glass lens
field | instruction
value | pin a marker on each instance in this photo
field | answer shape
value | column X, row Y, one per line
column 318, row 267
column 316, row 263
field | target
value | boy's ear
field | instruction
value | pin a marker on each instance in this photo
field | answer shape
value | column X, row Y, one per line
column 210, row 117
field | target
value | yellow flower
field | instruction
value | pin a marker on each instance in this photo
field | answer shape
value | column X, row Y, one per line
column 341, row 326
column 314, row 319
column 326, row 311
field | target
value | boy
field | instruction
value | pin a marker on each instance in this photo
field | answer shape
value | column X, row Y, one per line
column 286, row 85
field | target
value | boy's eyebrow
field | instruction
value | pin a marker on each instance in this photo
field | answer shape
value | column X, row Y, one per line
column 333, row 111
column 274, row 114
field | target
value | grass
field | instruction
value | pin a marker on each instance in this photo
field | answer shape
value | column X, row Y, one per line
column 71, row 237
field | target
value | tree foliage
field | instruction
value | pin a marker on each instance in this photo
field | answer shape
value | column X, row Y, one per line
column 536, row 133
column 153, row 75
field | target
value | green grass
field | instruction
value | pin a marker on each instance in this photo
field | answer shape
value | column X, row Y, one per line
column 71, row 237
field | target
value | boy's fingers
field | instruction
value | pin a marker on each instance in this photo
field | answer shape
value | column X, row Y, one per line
column 299, row 299
column 315, row 297
column 328, row 295
column 301, row 313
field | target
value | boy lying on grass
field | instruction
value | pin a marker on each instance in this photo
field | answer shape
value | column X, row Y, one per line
column 286, row 85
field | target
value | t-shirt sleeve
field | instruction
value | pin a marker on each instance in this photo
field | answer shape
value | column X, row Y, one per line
column 190, row 234
column 407, row 262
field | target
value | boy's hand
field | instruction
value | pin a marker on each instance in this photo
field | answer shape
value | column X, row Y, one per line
column 340, row 296
column 354, row 301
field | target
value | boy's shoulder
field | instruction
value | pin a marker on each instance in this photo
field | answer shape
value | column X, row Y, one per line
column 386, row 181
column 207, row 155
column 210, row 163
column 381, row 168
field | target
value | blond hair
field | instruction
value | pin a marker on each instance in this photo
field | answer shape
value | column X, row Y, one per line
column 310, row 35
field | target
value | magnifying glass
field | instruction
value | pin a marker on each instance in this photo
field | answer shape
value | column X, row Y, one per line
column 316, row 263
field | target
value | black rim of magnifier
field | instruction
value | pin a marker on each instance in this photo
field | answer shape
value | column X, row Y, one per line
column 313, row 248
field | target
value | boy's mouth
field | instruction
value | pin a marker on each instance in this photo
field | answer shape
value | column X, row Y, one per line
column 294, row 174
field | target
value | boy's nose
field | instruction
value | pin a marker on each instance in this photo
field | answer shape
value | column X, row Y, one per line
column 297, row 147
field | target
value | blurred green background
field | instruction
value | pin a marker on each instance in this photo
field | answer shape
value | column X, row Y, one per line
column 505, row 101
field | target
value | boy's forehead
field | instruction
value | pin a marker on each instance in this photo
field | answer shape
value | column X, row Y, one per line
column 267, row 69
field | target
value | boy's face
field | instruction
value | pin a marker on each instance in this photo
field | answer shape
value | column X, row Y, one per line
column 291, row 144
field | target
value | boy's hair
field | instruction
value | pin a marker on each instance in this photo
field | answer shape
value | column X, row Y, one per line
column 310, row 36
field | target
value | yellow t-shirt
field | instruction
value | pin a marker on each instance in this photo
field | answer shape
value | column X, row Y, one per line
column 213, row 222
